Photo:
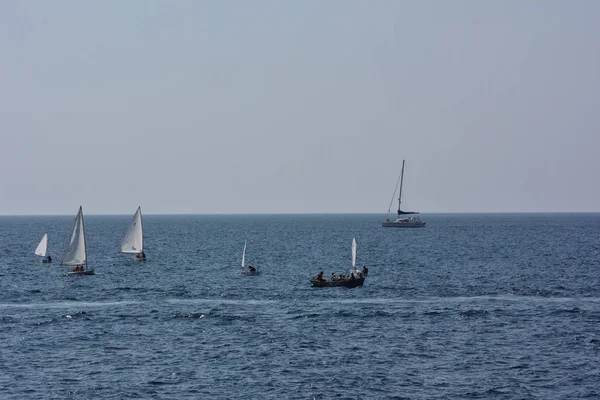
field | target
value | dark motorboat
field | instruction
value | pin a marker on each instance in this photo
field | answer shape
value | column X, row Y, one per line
column 349, row 283
column 355, row 279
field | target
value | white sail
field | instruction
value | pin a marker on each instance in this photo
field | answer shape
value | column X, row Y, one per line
column 42, row 248
column 243, row 256
column 134, row 239
column 75, row 253
column 353, row 253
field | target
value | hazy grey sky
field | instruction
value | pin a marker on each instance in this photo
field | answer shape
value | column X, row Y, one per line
column 303, row 106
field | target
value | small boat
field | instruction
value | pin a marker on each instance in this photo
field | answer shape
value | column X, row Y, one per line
column 355, row 279
column 42, row 249
column 357, row 282
column 76, row 253
column 402, row 222
column 133, row 243
column 251, row 270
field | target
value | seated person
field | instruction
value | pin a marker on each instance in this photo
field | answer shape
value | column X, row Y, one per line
column 48, row 258
column 251, row 268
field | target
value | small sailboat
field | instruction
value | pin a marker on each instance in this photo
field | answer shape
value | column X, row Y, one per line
column 42, row 249
column 133, row 243
column 402, row 222
column 76, row 252
column 251, row 270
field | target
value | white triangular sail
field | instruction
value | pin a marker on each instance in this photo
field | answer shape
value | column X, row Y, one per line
column 353, row 254
column 75, row 253
column 134, row 239
column 244, row 257
column 42, row 248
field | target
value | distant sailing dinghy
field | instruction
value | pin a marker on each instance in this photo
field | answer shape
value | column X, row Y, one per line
column 76, row 254
column 402, row 222
column 134, row 239
column 250, row 270
column 42, row 249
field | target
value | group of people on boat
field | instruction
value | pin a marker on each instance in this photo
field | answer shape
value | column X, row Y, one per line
column 353, row 275
column 78, row 268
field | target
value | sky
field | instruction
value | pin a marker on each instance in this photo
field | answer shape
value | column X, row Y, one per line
column 236, row 107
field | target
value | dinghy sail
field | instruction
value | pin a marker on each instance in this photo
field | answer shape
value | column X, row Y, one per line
column 42, row 249
column 133, row 243
column 354, row 270
column 244, row 258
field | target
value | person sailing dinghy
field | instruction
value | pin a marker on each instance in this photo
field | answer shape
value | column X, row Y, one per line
column 76, row 252
column 133, row 243
column 42, row 249
column 251, row 270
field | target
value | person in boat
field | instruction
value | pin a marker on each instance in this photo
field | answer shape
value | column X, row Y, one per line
column 48, row 258
column 77, row 268
column 251, row 268
column 351, row 277
column 333, row 278
column 365, row 270
column 319, row 277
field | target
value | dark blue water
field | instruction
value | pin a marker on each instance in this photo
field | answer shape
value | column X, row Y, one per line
column 471, row 307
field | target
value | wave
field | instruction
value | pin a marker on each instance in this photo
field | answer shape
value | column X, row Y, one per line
column 68, row 304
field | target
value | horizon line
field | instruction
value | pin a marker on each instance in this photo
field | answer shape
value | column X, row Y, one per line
column 308, row 213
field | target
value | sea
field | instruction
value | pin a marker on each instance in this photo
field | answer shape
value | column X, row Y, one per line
column 473, row 306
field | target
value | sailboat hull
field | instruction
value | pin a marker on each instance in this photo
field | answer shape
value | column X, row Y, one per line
column 46, row 261
column 403, row 223
column 346, row 283
column 77, row 273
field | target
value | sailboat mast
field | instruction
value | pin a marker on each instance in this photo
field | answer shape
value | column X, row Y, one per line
column 400, row 193
column 142, row 229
